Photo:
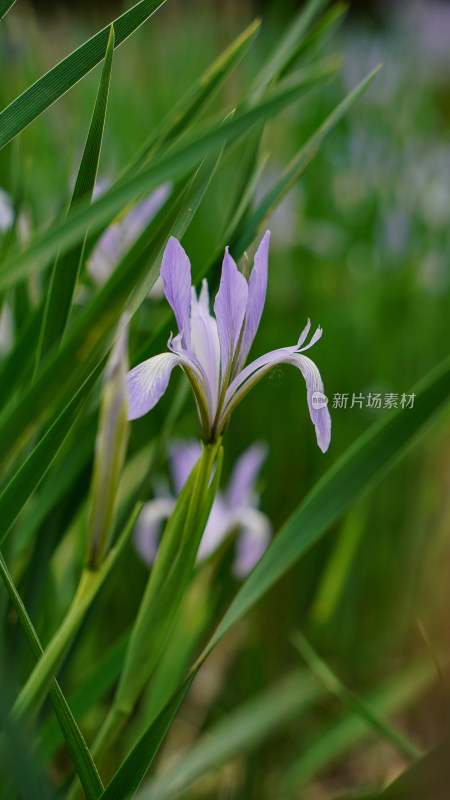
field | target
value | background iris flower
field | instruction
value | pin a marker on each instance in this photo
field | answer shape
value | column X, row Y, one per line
column 234, row 509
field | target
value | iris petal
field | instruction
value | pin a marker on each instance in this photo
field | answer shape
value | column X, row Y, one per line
column 257, row 288
column 229, row 307
column 176, row 274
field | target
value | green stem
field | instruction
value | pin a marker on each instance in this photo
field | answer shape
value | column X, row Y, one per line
column 169, row 578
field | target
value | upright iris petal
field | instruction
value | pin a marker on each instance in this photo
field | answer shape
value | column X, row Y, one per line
column 229, row 307
column 257, row 288
column 176, row 274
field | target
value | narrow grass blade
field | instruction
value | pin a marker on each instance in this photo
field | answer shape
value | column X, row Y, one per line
column 66, row 268
column 199, row 94
column 5, row 5
column 286, row 48
column 42, row 94
column 30, row 474
column 241, row 731
column 92, row 688
column 334, row 741
column 84, row 765
column 178, row 160
column 298, row 164
column 363, row 709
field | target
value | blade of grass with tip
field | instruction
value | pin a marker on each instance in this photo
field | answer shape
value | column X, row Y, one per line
column 67, row 265
column 286, row 48
column 45, row 91
column 298, row 164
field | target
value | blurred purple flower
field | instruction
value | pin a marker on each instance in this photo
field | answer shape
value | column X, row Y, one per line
column 212, row 350
column 6, row 211
column 121, row 234
column 236, row 509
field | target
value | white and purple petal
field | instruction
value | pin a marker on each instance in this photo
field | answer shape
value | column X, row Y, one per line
column 205, row 341
column 257, row 288
column 229, row 308
column 147, row 532
column 252, row 540
column 183, row 458
column 147, row 383
column 245, row 472
column 176, row 274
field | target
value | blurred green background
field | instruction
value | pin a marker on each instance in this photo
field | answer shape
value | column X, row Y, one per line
column 360, row 245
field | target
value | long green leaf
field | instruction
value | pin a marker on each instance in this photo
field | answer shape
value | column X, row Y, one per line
column 30, row 474
column 358, row 470
column 66, row 268
column 199, row 94
column 334, row 741
column 128, row 777
column 363, row 709
column 38, row 97
column 82, row 759
column 372, row 455
column 178, row 160
column 298, row 164
column 286, row 48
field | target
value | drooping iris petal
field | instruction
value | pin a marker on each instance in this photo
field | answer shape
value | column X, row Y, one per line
column 176, row 274
column 229, row 307
column 147, row 382
column 252, row 541
column 149, row 526
column 257, row 287
column 251, row 374
column 205, row 341
column 320, row 416
column 183, row 458
column 245, row 472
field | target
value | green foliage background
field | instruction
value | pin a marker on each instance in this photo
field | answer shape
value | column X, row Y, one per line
column 360, row 245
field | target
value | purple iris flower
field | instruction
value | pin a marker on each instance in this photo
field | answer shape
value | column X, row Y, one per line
column 122, row 233
column 236, row 509
column 212, row 350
